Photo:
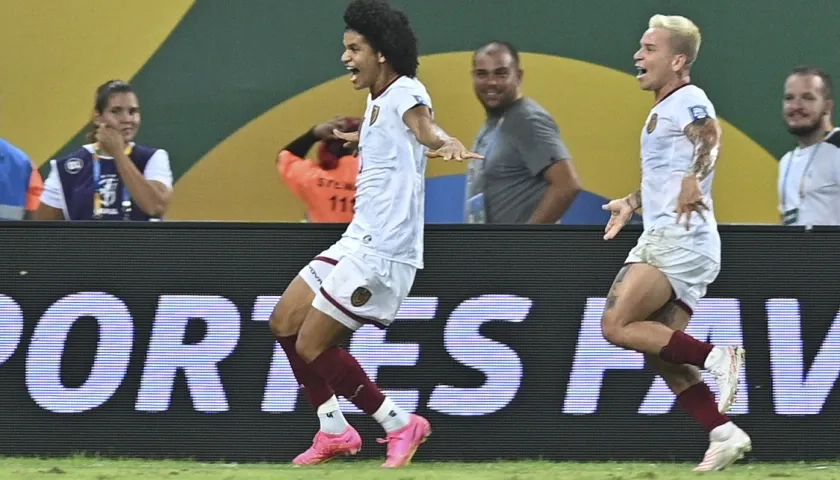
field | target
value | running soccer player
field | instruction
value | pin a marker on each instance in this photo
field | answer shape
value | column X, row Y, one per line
column 678, row 255
column 365, row 276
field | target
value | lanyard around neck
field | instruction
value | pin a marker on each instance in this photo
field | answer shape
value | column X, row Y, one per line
column 97, row 190
column 801, row 180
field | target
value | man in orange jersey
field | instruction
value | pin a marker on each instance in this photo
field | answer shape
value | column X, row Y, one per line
column 328, row 186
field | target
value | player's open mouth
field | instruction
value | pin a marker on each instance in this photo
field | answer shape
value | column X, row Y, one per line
column 641, row 71
column 354, row 72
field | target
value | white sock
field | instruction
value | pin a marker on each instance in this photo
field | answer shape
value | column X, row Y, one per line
column 714, row 357
column 332, row 420
column 390, row 416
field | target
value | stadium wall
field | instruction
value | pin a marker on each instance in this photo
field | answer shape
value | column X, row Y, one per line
column 152, row 340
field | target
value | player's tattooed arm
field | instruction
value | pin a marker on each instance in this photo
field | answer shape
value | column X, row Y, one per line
column 634, row 200
column 704, row 133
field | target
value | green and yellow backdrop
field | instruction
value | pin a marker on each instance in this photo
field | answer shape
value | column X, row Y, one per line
column 225, row 84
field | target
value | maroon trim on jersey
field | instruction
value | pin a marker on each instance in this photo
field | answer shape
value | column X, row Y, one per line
column 344, row 310
column 373, row 96
column 329, row 260
column 673, row 92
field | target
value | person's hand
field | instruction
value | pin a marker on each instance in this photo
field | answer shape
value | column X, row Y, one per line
column 110, row 140
column 351, row 139
column 325, row 131
column 690, row 200
column 453, row 149
column 620, row 213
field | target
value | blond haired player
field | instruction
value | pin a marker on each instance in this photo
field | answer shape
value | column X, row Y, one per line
column 678, row 254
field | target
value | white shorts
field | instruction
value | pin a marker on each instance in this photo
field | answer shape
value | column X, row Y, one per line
column 689, row 272
column 357, row 288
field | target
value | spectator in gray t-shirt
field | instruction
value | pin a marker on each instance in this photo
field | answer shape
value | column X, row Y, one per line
column 526, row 175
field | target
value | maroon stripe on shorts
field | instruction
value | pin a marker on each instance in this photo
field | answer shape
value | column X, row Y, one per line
column 326, row 260
column 358, row 318
column 684, row 306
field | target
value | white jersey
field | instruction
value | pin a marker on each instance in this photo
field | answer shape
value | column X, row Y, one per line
column 667, row 154
column 809, row 184
column 390, row 189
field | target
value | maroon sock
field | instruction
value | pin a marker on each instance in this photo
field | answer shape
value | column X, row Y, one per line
column 349, row 380
column 316, row 389
column 698, row 401
column 685, row 349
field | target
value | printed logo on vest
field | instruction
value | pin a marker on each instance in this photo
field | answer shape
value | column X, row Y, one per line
column 73, row 165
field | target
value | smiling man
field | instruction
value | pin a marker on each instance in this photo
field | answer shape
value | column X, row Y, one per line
column 526, row 175
column 809, row 175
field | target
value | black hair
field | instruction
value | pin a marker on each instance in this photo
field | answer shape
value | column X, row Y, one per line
column 388, row 32
column 514, row 53
column 808, row 70
column 103, row 94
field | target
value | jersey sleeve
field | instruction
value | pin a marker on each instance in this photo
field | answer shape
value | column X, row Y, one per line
column 538, row 140
column 158, row 169
column 406, row 98
column 53, row 194
column 836, row 166
column 691, row 108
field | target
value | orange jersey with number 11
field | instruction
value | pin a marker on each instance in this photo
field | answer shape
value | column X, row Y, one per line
column 330, row 195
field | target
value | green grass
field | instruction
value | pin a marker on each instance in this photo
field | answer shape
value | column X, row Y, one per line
column 89, row 468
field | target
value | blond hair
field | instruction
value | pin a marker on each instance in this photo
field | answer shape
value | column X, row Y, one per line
column 683, row 33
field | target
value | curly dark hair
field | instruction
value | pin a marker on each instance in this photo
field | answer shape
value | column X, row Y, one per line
column 388, row 32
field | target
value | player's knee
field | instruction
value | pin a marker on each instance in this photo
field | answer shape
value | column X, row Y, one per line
column 309, row 346
column 292, row 309
column 612, row 328
column 287, row 318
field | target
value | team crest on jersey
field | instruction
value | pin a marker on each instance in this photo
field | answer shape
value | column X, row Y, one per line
column 374, row 114
column 651, row 126
column 360, row 296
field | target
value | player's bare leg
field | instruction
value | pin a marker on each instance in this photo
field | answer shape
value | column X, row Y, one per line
column 335, row 436
column 316, row 344
column 638, row 291
column 727, row 442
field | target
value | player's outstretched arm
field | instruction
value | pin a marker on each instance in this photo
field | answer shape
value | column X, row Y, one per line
column 419, row 120
column 705, row 134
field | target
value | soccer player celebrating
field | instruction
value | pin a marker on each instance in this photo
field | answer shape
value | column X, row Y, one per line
column 365, row 276
column 678, row 255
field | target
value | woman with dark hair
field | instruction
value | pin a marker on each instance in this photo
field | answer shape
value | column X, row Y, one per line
column 111, row 178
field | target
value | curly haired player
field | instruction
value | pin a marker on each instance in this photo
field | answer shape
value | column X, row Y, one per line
column 364, row 278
